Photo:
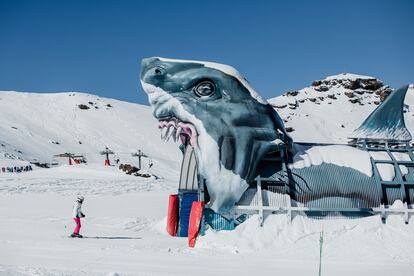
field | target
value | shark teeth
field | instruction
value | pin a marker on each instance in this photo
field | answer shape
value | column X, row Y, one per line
column 163, row 133
column 177, row 133
column 170, row 132
column 176, row 130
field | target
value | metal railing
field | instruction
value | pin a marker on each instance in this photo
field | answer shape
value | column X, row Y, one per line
column 278, row 203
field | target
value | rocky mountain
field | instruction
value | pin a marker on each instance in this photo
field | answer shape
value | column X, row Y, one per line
column 329, row 110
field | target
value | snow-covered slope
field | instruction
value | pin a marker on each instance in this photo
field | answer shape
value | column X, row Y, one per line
column 329, row 110
column 34, row 127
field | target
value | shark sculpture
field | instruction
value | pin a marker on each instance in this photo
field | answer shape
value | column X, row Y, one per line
column 214, row 109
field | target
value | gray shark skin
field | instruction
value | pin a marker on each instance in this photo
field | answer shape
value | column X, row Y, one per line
column 214, row 109
column 387, row 120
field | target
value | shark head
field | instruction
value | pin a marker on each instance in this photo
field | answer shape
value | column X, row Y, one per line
column 213, row 108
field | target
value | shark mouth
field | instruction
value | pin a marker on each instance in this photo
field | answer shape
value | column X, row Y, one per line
column 185, row 133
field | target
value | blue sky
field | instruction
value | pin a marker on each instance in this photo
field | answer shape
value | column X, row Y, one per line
column 96, row 46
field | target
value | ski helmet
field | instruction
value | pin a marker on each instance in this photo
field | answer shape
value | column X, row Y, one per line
column 80, row 198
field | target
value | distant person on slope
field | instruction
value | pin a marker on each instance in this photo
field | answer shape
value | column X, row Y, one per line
column 77, row 215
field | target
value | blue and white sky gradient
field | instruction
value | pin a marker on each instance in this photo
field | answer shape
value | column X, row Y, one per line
column 96, row 46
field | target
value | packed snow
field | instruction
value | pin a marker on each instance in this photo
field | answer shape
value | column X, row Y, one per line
column 125, row 221
column 348, row 76
column 124, row 233
column 340, row 155
column 348, row 156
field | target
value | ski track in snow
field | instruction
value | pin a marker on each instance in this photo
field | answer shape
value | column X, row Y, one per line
column 80, row 186
column 83, row 179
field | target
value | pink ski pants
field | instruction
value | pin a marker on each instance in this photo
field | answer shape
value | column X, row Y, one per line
column 78, row 225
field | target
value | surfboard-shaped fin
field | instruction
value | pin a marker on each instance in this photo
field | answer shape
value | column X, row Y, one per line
column 386, row 122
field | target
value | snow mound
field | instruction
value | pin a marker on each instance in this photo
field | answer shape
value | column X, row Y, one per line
column 343, row 156
column 344, row 239
column 347, row 156
column 349, row 76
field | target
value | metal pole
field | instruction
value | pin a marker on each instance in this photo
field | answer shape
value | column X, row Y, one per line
column 320, row 252
column 139, row 158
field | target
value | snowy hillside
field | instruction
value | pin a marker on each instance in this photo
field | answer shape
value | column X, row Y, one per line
column 35, row 127
column 329, row 110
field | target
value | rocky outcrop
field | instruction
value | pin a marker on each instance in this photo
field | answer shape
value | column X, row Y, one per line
column 348, row 81
column 83, row 106
column 322, row 88
column 343, row 91
column 383, row 92
column 349, row 94
column 128, row 168
column 292, row 93
column 132, row 170
column 355, row 84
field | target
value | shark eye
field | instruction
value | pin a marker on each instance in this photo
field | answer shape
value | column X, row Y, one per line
column 159, row 71
column 205, row 89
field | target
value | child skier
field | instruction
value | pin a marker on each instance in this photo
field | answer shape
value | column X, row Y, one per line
column 77, row 215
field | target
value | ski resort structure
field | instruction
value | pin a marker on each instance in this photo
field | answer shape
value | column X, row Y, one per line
column 238, row 159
